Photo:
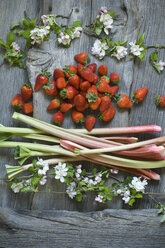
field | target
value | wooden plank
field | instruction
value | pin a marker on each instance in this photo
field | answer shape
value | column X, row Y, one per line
column 150, row 19
column 11, row 82
column 108, row 228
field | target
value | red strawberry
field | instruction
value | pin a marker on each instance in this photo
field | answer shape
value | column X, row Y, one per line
column 105, row 103
column 58, row 118
column 26, row 92
column 105, row 78
column 103, row 87
column 113, row 90
column 96, row 78
column 65, row 107
column 90, row 121
column 92, row 66
column 81, row 58
column 74, row 81
column 51, row 88
column 160, row 101
column 69, row 70
column 17, row 102
column 42, row 79
column 88, row 75
column 92, row 94
column 28, row 108
column 95, row 105
column 69, row 92
column 79, row 100
column 58, row 73
column 54, row 104
column 139, row 95
column 103, row 70
column 108, row 114
column 77, row 117
column 83, row 108
column 79, row 68
column 83, row 93
column 114, row 78
column 61, row 83
column 84, row 86
column 123, row 101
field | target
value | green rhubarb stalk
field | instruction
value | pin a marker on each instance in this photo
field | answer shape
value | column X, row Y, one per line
column 19, row 130
column 40, row 137
column 37, row 147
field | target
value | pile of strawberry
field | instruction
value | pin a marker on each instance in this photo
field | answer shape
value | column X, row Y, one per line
column 80, row 88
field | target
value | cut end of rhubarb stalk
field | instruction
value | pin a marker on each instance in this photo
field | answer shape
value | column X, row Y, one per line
column 157, row 129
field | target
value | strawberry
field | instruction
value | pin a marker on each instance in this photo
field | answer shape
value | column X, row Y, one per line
column 88, row 74
column 79, row 68
column 103, row 70
column 58, row 73
column 74, row 81
column 105, row 78
column 113, row 90
column 17, row 102
column 58, row 118
column 79, row 100
column 123, row 101
column 84, row 86
column 77, row 117
column 105, row 103
column 114, row 78
column 92, row 66
column 69, row 92
column 28, row 108
column 83, row 93
column 103, row 87
column 42, row 79
column 81, row 58
column 65, row 107
column 83, row 108
column 61, row 83
column 160, row 101
column 90, row 121
column 95, row 105
column 54, row 104
column 139, row 95
column 92, row 94
column 26, row 92
column 50, row 88
column 96, row 78
column 69, row 70
column 108, row 114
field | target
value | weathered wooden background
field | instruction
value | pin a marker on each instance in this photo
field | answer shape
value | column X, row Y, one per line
column 37, row 219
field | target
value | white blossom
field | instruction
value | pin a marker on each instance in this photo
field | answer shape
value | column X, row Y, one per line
column 160, row 65
column 43, row 180
column 104, row 9
column 45, row 166
column 17, row 188
column 107, row 20
column 64, row 39
column 119, row 191
column 114, row 171
column 71, row 191
column 137, row 184
column 86, row 179
column 98, row 178
column 45, row 19
column 135, row 49
column 37, row 35
column 126, row 198
column 41, row 172
column 120, row 53
column 77, row 32
column 77, row 175
column 61, row 171
column 16, row 47
column 99, row 198
column 99, row 48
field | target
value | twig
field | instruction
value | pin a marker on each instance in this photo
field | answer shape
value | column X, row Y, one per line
column 3, row 62
column 156, row 46
column 90, row 33
column 26, row 15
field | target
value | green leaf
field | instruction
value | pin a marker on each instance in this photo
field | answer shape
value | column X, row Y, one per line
column 154, row 56
column 140, row 41
column 156, row 67
column 131, row 56
column 98, row 30
column 107, row 190
column 109, row 197
column 79, row 197
column 111, row 13
column 161, row 210
column 13, row 26
column 94, row 171
column 131, row 202
column 32, row 22
column 57, row 29
column 141, row 56
column 26, row 22
column 2, row 41
column 11, row 38
column 76, row 24
column 35, row 180
column 162, row 219
column 26, row 189
column 138, row 196
column 108, row 42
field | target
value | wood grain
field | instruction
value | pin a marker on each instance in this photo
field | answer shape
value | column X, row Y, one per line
column 108, row 228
